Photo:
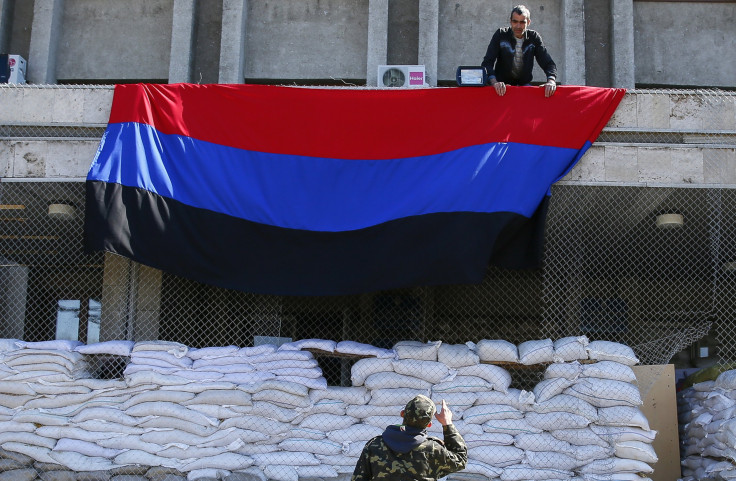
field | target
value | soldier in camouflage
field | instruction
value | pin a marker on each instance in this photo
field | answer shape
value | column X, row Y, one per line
column 405, row 452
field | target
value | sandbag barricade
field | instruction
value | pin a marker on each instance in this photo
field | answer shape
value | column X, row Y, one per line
column 266, row 412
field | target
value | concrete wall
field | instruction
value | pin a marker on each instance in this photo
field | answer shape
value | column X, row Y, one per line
column 685, row 43
column 127, row 40
column 619, row 43
column 298, row 39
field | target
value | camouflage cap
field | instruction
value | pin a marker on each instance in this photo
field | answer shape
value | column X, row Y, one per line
column 418, row 412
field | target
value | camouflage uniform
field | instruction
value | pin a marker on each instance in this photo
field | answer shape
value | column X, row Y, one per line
column 429, row 458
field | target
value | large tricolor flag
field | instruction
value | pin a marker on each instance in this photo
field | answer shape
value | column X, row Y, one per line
column 319, row 191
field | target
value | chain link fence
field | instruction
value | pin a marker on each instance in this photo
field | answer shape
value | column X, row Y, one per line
column 190, row 382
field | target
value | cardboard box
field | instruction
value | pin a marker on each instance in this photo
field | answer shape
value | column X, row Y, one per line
column 17, row 66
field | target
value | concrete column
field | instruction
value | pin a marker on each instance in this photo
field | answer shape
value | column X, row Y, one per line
column 429, row 26
column 377, row 39
column 148, row 304
column 181, row 57
column 622, row 44
column 115, row 294
column 45, row 36
column 6, row 24
column 573, row 43
column 232, row 41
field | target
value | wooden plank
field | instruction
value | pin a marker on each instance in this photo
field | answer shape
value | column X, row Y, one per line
column 657, row 384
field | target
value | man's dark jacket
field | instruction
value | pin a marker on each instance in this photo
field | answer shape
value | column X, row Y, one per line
column 499, row 57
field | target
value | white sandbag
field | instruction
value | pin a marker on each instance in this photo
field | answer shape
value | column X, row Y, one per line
column 536, row 352
column 38, row 453
column 109, row 428
column 498, row 456
column 62, row 400
column 384, row 380
column 516, row 398
column 219, row 363
column 382, row 421
column 498, row 377
column 314, row 446
column 44, row 388
column 256, row 423
column 85, row 447
column 212, row 352
column 488, row 439
column 186, row 453
column 10, row 426
column 328, row 406
column 277, row 356
column 548, row 388
column 270, row 410
column 623, row 416
column 129, row 442
column 225, row 397
column 214, row 411
column 458, row 401
column 59, row 344
column 68, row 359
column 570, row 349
column 524, row 472
column 34, row 376
column 247, row 377
column 417, row 350
column 144, row 458
column 462, row 384
column 327, row 422
column 170, row 409
column 305, row 433
column 322, row 471
column 496, row 350
column 338, row 460
column 364, row 411
column 40, row 418
column 252, row 473
column 32, row 439
column 542, row 442
column 311, row 383
column 360, row 349
column 568, row 370
column 171, row 347
column 7, row 345
column 636, row 450
column 294, row 388
column 579, row 437
column 304, row 344
column 148, row 357
column 73, row 432
column 207, row 474
column 567, row 403
column 591, row 452
column 356, row 432
column 228, row 461
column 281, row 473
column 16, row 388
column 105, row 414
column 346, row 394
column 395, row 397
column 556, row 420
column 365, row 367
column 285, row 458
column 486, row 412
column 605, row 392
column 282, row 399
column 152, row 377
column 609, row 370
column 615, row 465
column 431, row 371
column 285, row 364
column 509, row 426
column 612, row 351
column 168, row 422
column 726, row 380
column 480, row 468
column 261, row 350
column 551, row 460
column 456, row 355
column 614, row 434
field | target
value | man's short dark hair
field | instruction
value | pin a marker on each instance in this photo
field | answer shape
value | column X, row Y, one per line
column 521, row 10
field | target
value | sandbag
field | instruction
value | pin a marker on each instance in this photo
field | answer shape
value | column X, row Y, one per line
column 497, row 351
column 430, row 371
column 612, row 351
column 365, row 367
column 456, row 355
column 536, row 352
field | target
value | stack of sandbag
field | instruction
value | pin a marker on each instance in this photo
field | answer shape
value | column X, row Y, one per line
column 707, row 414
